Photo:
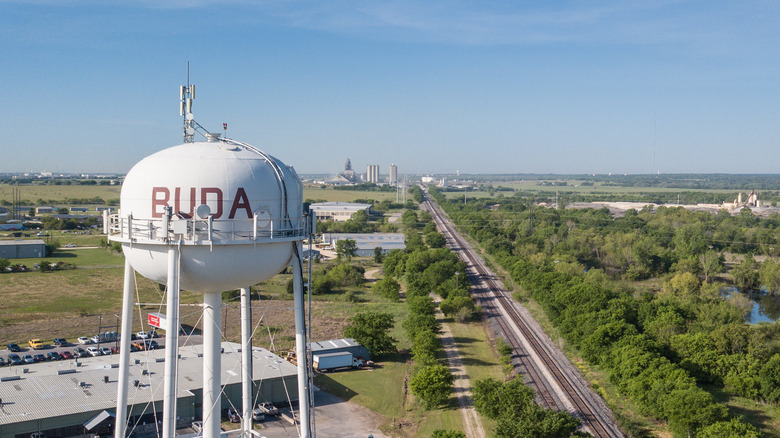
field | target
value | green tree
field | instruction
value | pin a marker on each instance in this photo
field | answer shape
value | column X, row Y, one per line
column 769, row 275
column 346, row 248
column 434, row 239
column 388, row 288
column 62, row 210
column 746, row 274
column 460, row 307
column 712, row 264
column 31, row 212
column 733, row 428
column 770, row 379
column 371, row 330
column 432, row 384
column 378, row 255
column 4, row 263
column 441, row 433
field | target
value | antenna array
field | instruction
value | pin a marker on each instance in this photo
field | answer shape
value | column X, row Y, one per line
column 186, row 95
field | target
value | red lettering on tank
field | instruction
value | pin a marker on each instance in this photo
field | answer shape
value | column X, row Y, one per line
column 205, row 191
column 159, row 202
column 240, row 201
column 177, row 202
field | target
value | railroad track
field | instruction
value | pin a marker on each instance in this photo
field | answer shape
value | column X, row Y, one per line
column 557, row 384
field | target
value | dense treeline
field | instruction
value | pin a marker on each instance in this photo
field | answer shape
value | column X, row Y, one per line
column 660, row 348
column 716, row 181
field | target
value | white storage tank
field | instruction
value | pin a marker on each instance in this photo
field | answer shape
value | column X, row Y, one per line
column 234, row 209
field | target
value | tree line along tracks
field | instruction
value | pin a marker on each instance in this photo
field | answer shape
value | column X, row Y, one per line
column 537, row 359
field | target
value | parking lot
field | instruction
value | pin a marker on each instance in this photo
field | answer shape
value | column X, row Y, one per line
column 71, row 347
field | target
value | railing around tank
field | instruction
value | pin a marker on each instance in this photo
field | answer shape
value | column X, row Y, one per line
column 194, row 230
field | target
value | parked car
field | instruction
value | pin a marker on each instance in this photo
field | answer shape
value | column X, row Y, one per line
column 93, row 351
column 105, row 351
column 258, row 414
column 83, row 340
column 2, row 362
column 39, row 357
column 80, row 352
column 70, row 245
column 14, row 359
column 142, row 335
column 35, row 344
column 15, row 348
column 53, row 355
column 150, row 344
column 139, row 346
column 232, row 415
column 60, row 342
column 28, row 358
column 66, row 355
column 268, row 408
column 95, row 339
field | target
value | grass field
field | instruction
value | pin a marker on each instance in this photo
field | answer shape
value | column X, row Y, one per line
column 32, row 192
column 329, row 194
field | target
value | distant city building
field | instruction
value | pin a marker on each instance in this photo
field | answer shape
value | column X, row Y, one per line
column 372, row 173
column 347, row 176
column 393, row 174
column 427, row 179
column 337, row 211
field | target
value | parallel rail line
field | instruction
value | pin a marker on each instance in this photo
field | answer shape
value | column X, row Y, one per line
column 546, row 371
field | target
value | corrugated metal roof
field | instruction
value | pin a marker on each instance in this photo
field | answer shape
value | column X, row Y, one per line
column 331, row 344
column 43, row 393
column 22, row 242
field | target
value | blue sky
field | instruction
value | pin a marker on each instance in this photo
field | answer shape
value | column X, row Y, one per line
column 433, row 86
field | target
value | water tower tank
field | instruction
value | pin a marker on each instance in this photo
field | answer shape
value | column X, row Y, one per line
column 233, row 209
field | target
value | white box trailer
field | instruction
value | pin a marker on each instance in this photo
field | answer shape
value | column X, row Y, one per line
column 332, row 361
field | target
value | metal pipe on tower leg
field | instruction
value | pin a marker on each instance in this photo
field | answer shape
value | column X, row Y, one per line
column 124, row 351
column 171, row 343
column 300, row 343
column 212, row 372
column 246, row 360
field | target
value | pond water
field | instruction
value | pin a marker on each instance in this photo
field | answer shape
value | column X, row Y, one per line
column 766, row 306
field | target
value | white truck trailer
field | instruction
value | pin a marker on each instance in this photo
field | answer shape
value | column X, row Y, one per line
column 332, row 361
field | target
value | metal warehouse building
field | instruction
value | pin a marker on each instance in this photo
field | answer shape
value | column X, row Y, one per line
column 65, row 398
column 22, row 249
column 366, row 242
column 337, row 211
column 339, row 346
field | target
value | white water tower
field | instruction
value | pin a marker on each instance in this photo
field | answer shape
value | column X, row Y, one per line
column 208, row 217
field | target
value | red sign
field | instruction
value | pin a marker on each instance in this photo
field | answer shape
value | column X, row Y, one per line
column 154, row 320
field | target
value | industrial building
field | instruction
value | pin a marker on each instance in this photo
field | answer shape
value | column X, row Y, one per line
column 337, row 211
column 22, row 249
column 340, row 346
column 39, row 210
column 372, row 173
column 64, row 398
column 393, row 179
column 366, row 242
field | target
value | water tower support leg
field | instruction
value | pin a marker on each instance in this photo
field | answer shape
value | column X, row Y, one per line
column 124, row 351
column 300, row 344
column 212, row 372
column 171, row 344
column 246, row 360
